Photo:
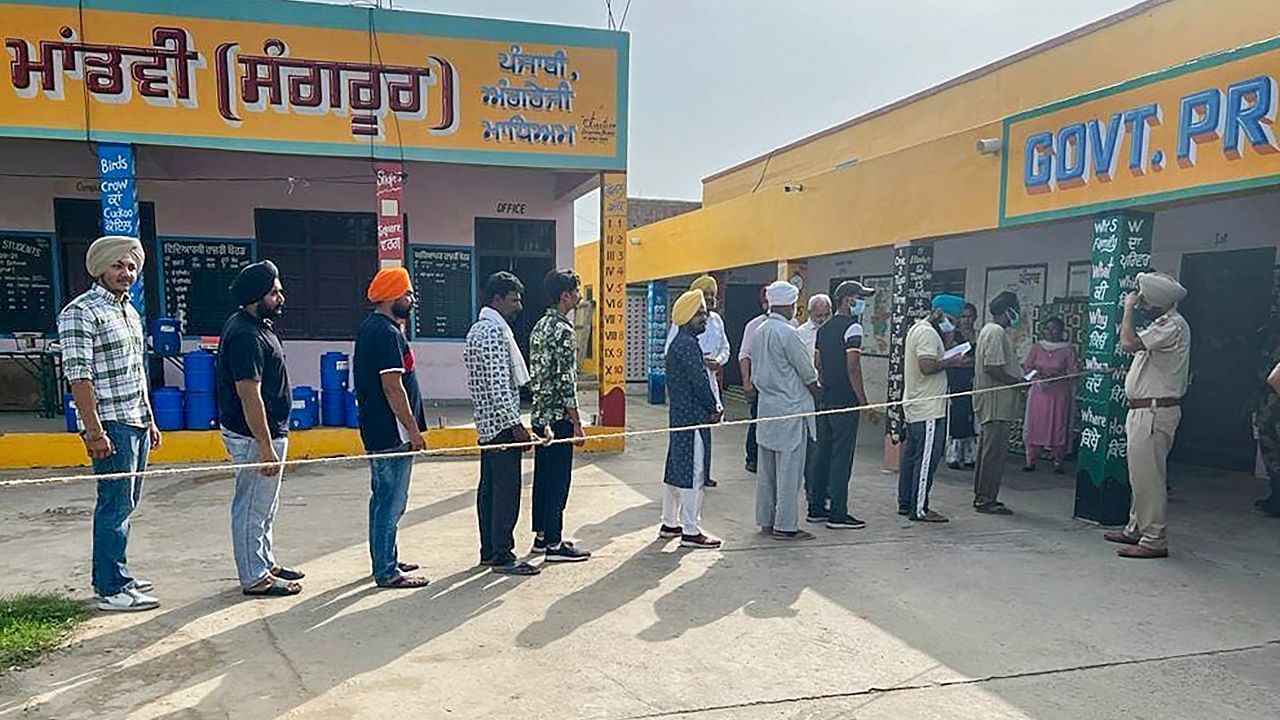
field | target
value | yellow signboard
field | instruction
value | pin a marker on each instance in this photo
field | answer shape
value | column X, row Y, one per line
column 1197, row 129
column 315, row 78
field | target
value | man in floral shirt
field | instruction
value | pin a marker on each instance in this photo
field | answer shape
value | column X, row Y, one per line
column 553, row 380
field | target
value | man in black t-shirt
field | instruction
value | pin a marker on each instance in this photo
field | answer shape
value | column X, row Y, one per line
column 391, row 418
column 839, row 350
column 253, row 402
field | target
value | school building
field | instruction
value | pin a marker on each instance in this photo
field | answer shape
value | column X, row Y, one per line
column 1143, row 140
column 331, row 139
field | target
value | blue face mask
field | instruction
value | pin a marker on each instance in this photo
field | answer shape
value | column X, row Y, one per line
column 946, row 325
column 859, row 307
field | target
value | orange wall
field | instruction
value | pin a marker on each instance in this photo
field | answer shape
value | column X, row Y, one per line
column 1166, row 34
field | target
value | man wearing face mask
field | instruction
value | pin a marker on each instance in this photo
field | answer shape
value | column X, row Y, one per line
column 1154, row 385
column 839, row 351
column 391, row 419
column 254, row 403
column 995, row 405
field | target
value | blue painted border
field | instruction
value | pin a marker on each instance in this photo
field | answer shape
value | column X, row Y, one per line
column 1203, row 63
column 55, row 248
column 413, row 320
column 160, row 239
column 344, row 17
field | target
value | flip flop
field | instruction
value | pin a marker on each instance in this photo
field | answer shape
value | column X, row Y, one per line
column 407, row 567
column 287, row 573
column 278, row 587
column 405, row 582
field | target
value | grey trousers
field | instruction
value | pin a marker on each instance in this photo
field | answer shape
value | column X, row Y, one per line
column 778, row 485
column 993, row 450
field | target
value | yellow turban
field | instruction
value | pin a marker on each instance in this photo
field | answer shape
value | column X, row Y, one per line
column 687, row 306
column 704, row 284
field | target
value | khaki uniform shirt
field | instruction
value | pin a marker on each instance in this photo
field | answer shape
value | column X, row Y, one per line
column 995, row 347
column 1160, row 371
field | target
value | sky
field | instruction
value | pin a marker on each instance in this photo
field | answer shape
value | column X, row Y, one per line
column 716, row 82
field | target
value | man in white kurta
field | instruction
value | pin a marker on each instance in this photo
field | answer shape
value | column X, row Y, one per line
column 715, row 353
column 786, row 380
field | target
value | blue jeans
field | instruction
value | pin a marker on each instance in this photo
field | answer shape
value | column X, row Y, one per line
column 390, row 485
column 116, row 501
column 253, row 508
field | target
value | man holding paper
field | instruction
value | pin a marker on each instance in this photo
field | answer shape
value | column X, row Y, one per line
column 997, row 367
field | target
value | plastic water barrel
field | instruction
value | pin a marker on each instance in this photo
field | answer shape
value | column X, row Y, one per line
column 166, row 404
column 353, row 410
column 202, row 411
column 335, row 371
column 333, row 408
column 197, row 373
column 166, row 339
column 303, row 414
column 69, row 411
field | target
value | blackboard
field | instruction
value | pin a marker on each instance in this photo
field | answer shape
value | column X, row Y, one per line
column 442, row 278
column 196, row 276
column 27, row 299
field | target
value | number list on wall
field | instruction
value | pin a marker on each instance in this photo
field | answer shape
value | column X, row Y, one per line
column 442, row 280
column 197, row 276
column 27, row 301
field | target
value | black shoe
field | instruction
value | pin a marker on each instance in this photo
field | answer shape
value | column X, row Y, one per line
column 565, row 552
column 751, row 467
column 817, row 518
column 903, row 511
column 710, row 483
column 539, row 546
column 994, row 508
column 955, row 466
column 667, row 532
column 516, row 568
column 848, row 523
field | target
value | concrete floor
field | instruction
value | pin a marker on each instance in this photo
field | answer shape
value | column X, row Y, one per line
column 1030, row 616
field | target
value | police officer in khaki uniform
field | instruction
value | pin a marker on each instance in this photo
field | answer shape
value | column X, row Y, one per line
column 1154, row 385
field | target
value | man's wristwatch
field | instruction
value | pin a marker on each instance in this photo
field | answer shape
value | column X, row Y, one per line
column 93, row 436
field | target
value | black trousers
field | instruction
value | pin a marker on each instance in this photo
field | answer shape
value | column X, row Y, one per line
column 835, row 467
column 498, row 500
column 753, row 450
column 552, row 472
column 922, row 449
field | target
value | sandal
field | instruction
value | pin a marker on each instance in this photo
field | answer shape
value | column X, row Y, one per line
column 404, row 582
column 407, row 567
column 273, row 587
column 287, row 573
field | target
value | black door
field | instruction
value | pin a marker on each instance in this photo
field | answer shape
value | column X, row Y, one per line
column 741, row 303
column 77, row 223
column 1228, row 298
column 525, row 248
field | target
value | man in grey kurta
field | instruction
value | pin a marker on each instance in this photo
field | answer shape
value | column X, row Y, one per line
column 784, row 375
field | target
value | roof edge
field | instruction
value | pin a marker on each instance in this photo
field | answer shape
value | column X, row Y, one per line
column 987, row 69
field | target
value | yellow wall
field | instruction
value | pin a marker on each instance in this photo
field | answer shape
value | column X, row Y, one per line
column 1167, row 33
column 586, row 264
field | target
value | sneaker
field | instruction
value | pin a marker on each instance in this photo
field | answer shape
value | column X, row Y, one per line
column 667, row 532
column 710, row 483
column 994, row 508
column 128, row 600
column 848, row 523
column 930, row 517
column 516, row 568
column 701, row 541
column 539, row 546
column 793, row 536
column 143, row 586
column 751, row 467
column 566, row 552
column 903, row 511
column 817, row 518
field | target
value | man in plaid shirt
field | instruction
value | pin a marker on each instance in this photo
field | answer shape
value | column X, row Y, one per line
column 103, row 360
column 495, row 372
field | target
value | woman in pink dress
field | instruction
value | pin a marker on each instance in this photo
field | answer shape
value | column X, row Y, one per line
column 1050, row 405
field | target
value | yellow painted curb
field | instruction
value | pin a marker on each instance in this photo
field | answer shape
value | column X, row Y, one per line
column 21, row 451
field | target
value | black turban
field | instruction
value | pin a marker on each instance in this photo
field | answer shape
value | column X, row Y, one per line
column 254, row 282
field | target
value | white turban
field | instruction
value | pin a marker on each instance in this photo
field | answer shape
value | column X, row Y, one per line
column 781, row 294
column 106, row 250
column 1160, row 290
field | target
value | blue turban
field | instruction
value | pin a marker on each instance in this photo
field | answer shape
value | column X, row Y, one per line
column 949, row 304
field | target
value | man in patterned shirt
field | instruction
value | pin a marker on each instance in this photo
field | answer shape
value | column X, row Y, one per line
column 102, row 358
column 553, row 359
column 495, row 373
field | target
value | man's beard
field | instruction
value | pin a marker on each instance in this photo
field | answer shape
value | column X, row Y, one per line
column 401, row 311
column 270, row 313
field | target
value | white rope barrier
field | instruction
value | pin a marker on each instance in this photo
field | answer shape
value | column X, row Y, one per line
column 536, row 442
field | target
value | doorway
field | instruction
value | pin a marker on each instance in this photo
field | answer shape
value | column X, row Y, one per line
column 1228, row 300
column 741, row 303
column 77, row 223
column 526, row 249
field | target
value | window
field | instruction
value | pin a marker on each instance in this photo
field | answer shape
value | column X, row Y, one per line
column 949, row 282
column 326, row 261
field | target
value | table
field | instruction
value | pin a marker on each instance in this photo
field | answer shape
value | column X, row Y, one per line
column 46, row 367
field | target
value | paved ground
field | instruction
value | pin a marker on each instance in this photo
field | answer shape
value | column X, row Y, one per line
column 1031, row 616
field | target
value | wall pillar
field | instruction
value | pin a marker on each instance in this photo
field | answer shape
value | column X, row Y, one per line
column 613, row 299
column 389, row 193
column 1121, row 249
column 658, row 323
column 912, row 274
column 118, row 183
column 796, row 272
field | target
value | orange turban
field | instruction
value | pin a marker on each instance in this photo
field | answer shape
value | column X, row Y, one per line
column 389, row 284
